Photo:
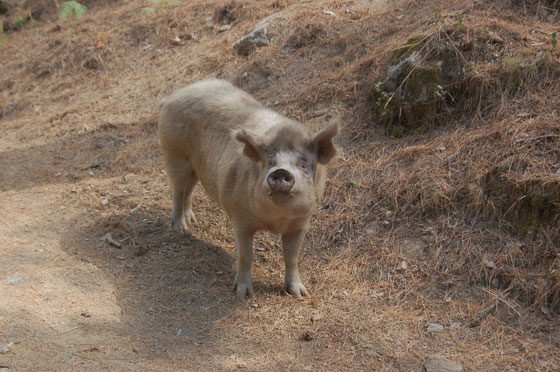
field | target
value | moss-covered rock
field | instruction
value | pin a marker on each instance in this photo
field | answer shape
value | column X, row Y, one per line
column 521, row 70
column 527, row 203
column 408, row 97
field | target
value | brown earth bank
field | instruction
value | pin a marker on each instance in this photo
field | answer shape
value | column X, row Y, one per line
column 438, row 240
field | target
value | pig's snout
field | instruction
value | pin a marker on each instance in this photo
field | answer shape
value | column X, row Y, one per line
column 280, row 181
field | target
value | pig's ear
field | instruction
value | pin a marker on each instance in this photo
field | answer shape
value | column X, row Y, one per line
column 251, row 149
column 323, row 142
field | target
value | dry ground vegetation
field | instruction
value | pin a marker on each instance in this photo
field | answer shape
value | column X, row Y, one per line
column 425, row 228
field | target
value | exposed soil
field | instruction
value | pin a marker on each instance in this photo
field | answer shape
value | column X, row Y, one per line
column 79, row 159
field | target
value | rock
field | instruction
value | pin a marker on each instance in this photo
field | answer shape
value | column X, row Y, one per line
column 13, row 281
column 260, row 35
column 489, row 263
column 434, row 327
column 92, row 63
column 455, row 326
column 104, row 202
column 408, row 97
column 9, row 109
column 241, row 365
column 6, row 349
column 403, row 266
column 439, row 363
column 316, row 317
column 371, row 229
column 257, row 38
column 176, row 41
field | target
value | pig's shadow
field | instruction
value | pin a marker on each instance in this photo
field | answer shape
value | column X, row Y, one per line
column 163, row 281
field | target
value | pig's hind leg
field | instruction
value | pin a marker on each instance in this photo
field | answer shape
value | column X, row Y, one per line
column 183, row 178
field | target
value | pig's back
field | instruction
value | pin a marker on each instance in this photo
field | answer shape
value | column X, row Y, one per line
column 198, row 120
column 211, row 102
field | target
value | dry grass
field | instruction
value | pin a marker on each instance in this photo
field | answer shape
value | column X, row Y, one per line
column 455, row 204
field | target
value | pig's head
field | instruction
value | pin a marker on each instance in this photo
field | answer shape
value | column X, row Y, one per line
column 288, row 158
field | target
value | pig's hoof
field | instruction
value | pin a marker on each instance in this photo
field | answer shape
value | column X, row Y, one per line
column 189, row 217
column 180, row 225
column 297, row 289
column 243, row 289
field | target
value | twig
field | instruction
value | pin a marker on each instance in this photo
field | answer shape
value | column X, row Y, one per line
column 135, row 209
column 481, row 315
column 109, row 239
column 495, row 295
column 546, row 136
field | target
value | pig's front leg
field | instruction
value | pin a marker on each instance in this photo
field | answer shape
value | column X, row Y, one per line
column 290, row 245
column 244, row 246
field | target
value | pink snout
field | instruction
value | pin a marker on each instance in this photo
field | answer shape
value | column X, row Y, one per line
column 280, row 181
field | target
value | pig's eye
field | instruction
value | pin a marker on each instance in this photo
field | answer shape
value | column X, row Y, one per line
column 303, row 164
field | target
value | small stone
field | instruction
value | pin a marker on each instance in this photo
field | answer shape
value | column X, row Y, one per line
column 241, row 365
column 455, row 326
column 371, row 229
column 9, row 109
column 403, row 266
column 176, row 41
column 439, row 363
column 434, row 327
column 307, row 336
column 92, row 63
column 6, row 349
column 316, row 317
column 489, row 263
column 104, row 202
column 224, row 28
column 13, row 281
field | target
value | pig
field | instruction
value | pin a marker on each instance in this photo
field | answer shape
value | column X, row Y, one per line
column 266, row 171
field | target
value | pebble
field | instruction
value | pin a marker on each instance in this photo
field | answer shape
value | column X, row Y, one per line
column 241, row 365
column 6, row 349
column 434, row 327
column 104, row 202
column 12, row 281
column 403, row 266
column 439, row 363
column 455, row 326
